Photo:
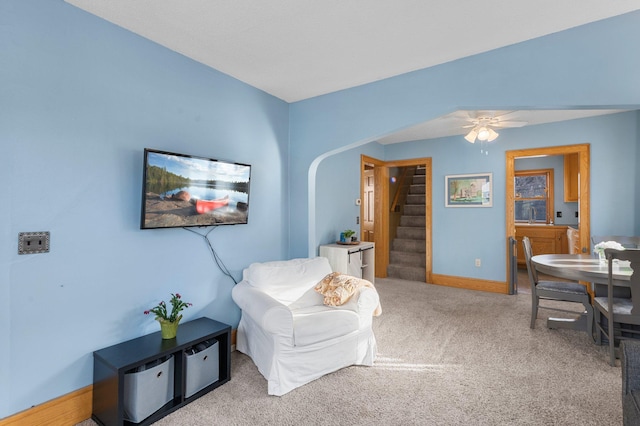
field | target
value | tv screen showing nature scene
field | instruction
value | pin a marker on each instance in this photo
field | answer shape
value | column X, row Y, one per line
column 182, row 190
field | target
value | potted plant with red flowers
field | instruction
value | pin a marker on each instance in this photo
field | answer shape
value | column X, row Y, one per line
column 169, row 321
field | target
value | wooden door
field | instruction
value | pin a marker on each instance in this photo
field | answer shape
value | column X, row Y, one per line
column 368, row 199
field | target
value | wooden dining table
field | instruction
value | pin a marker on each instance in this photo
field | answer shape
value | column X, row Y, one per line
column 586, row 268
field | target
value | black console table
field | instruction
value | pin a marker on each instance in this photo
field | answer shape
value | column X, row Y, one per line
column 110, row 365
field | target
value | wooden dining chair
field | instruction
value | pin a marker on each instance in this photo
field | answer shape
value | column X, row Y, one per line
column 622, row 313
column 566, row 291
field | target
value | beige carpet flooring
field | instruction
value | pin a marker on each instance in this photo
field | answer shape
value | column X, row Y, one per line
column 446, row 356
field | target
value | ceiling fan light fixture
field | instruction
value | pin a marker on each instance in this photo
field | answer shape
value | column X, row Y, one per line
column 471, row 136
column 483, row 133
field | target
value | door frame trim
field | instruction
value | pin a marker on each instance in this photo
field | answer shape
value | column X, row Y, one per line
column 584, row 193
column 382, row 206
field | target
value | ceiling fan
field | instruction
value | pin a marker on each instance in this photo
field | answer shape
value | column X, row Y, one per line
column 484, row 123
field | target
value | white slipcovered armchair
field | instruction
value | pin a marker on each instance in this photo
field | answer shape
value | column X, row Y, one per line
column 290, row 334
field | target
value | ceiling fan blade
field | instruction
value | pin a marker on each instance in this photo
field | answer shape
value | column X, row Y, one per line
column 461, row 115
column 504, row 115
column 509, row 124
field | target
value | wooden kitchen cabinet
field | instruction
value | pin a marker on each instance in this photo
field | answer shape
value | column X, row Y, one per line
column 571, row 171
column 545, row 239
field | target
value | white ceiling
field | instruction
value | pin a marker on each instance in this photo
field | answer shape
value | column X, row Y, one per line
column 298, row 49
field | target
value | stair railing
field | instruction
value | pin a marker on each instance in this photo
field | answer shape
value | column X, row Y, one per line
column 402, row 189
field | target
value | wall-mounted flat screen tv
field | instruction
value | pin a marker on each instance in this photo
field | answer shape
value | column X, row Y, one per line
column 182, row 190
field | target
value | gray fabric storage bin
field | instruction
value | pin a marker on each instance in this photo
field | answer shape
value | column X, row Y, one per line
column 147, row 389
column 202, row 366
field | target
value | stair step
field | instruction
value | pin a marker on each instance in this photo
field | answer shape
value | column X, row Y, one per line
column 408, row 245
column 411, row 233
column 418, row 179
column 407, row 258
column 403, row 272
column 414, row 210
column 420, row 171
column 417, row 189
column 416, row 199
column 418, row 221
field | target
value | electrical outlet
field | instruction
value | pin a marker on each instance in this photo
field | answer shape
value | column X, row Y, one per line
column 478, row 263
column 558, row 214
column 357, row 220
column 576, row 214
column 33, row 242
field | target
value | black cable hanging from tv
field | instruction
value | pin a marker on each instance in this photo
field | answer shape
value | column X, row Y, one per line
column 216, row 258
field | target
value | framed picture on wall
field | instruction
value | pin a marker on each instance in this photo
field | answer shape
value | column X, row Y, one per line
column 472, row 190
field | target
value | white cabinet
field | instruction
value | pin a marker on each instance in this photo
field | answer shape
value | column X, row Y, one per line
column 357, row 259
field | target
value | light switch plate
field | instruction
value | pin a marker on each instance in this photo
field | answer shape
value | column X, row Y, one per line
column 33, row 242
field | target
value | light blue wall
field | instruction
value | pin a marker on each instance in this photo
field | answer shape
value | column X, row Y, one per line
column 81, row 98
column 340, row 187
column 339, row 214
column 79, row 101
column 589, row 66
column 473, row 233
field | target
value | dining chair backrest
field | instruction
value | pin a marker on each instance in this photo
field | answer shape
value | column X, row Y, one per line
column 621, row 313
column 573, row 238
column 632, row 242
column 533, row 275
column 566, row 291
column 633, row 256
